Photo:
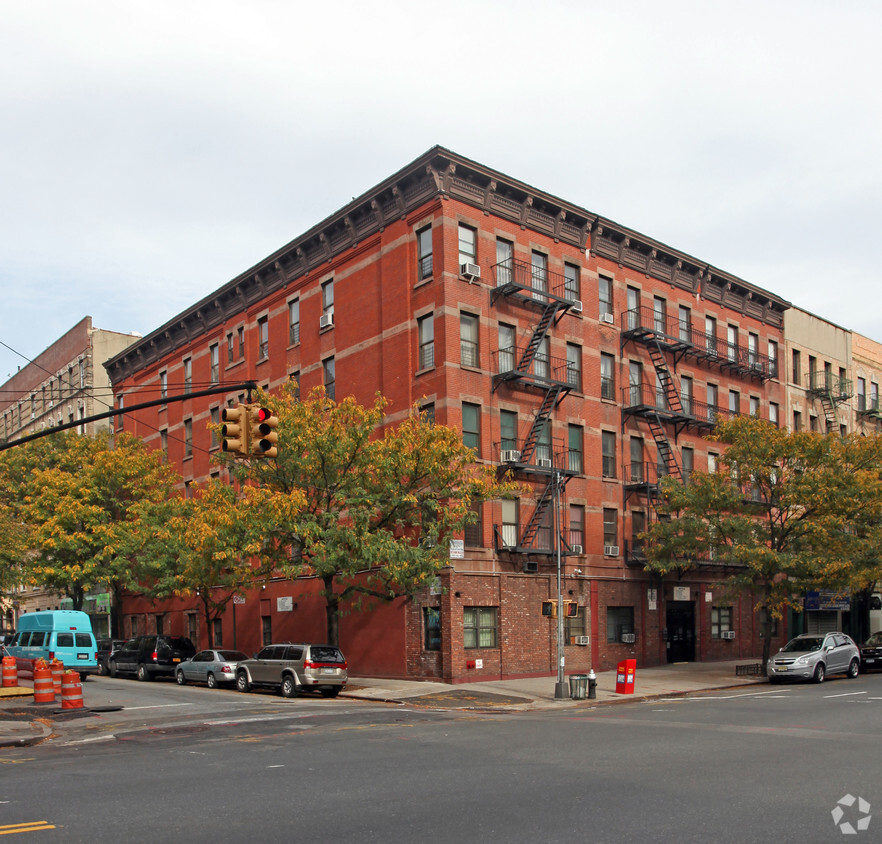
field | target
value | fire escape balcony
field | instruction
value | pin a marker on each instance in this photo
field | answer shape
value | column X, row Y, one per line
column 543, row 459
column 868, row 408
column 525, row 364
column 522, row 282
column 822, row 384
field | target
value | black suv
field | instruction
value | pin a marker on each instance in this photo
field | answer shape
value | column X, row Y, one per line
column 103, row 649
column 149, row 656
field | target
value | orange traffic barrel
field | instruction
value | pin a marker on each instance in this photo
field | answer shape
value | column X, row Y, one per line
column 44, row 690
column 57, row 669
column 71, row 690
column 10, row 672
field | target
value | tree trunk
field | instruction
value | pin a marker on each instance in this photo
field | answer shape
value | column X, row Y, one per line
column 332, row 611
column 766, row 629
column 207, row 613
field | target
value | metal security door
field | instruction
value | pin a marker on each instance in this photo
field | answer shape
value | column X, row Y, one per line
column 680, row 641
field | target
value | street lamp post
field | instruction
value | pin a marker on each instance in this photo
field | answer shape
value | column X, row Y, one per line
column 560, row 690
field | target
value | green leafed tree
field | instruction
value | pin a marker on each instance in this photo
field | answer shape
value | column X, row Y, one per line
column 381, row 498
column 785, row 512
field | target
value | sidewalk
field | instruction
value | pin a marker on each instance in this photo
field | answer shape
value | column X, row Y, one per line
column 22, row 723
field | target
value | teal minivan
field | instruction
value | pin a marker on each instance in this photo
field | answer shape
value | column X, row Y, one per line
column 62, row 634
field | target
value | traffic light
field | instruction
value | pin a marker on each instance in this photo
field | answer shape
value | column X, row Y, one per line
column 571, row 609
column 549, row 609
column 262, row 435
column 235, row 429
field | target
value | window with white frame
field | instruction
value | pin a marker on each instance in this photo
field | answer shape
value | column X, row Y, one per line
column 607, row 376
column 426, row 334
column 635, row 448
column 263, row 338
column 575, row 436
column 471, row 426
column 329, row 377
column 504, row 262
column 293, row 322
column 509, row 507
column 468, row 245
column 574, row 366
column 424, row 253
column 571, row 283
column 214, row 362
column 479, row 627
column 328, row 296
column 188, row 375
column 468, row 340
column 685, row 324
column 539, row 272
column 577, row 526
column 605, row 297
column 610, row 526
column 608, row 454
column 508, row 429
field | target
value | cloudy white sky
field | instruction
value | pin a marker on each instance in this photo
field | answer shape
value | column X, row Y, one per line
column 152, row 151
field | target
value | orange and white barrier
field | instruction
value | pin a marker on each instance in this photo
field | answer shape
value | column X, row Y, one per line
column 10, row 672
column 71, row 690
column 44, row 689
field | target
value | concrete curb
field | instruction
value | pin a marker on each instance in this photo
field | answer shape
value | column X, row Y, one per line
column 23, row 733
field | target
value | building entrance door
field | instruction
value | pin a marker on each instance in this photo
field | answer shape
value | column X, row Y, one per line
column 680, row 631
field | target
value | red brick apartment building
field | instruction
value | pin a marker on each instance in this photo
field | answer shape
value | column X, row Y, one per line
column 560, row 343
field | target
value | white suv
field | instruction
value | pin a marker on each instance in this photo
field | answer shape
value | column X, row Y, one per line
column 812, row 656
column 294, row 669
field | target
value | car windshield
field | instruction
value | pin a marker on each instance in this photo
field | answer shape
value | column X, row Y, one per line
column 875, row 640
column 809, row 643
column 232, row 656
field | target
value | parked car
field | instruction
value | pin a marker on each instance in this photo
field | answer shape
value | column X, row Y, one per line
column 871, row 652
column 104, row 648
column 210, row 667
column 294, row 669
column 812, row 656
column 151, row 656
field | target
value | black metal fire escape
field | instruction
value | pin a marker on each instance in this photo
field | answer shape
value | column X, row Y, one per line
column 831, row 390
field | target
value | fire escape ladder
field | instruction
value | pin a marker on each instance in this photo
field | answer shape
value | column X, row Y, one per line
column 663, row 444
column 539, row 333
column 672, row 394
column 829, row 410
column 542, row 505
column 543, row 413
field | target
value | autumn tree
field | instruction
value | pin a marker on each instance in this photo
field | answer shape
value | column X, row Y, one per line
column 785, row 512
column 380, row 502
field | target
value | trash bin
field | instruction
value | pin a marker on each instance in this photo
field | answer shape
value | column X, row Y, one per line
column 578, row 686
column 625, row 676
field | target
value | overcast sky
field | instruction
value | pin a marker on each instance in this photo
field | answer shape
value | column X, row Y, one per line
column 152, row 151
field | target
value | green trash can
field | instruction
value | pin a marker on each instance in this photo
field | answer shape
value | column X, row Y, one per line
column 578, row 686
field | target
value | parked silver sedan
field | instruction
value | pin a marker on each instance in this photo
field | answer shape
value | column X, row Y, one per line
column 812, row 656
column 211, row 666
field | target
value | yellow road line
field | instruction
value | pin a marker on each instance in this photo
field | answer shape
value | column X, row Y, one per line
column 28, row 826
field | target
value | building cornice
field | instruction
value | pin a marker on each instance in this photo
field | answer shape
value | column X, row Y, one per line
column 442, row 173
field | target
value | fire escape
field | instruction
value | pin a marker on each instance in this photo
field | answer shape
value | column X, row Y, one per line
column 831, row 390
column 666, row 409
column 529, row 368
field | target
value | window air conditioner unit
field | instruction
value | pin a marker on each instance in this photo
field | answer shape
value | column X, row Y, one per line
column 582, row 640
column 544, row 462
column 629, row 638
column 470, row 270
column 576, row 306
column 531, row 567
column 610, row 550
column 510, row 455
column 607, row 318
column 727, row 634
column 326, row 320
column 577, row 549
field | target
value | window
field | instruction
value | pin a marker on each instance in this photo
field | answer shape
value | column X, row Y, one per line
column 773, row 413
column 608, row 454
column 796, row 368
column 797, row 420
column 266, row 629
column 479, row 625
column 504, row 262
column 214, row 413
column 539, row 273
column 635, row 447
column 543, row 442
column 686, row 394
column 293, row 322
column 874, row 396
column 605, row 296
column 659, row 315
column 542, row 358
column 610, row 526
column 424, row 253
column 635, row 383
column 241, row 336
column 773, row 359
column 619, row 623
column 506, row 348
column 163, row 442
column 638, row 525
column 468, row 249
column 473, row 535
column 574, row 626
column 633, row 307
column 263, row 338
column 431, row 628
column 574, row 366
column 685, row 324
column 574, row 443
column 188, row 438
column 509, row 522
column 710, row 333
column 721, row 621
column 328, row 296
column 712, row 402
column 571, row 283
column 119, row 419
column 329, row 378
column 577, row 525
column 217, row 632
column 688, row 457
column 231, row 348
column 712, row 462
column 214, row 362
column 426, row 332
column 188, row 375
column 732, row 343
column 508, row 429
column 427, row 412
column 734, row 401
column 607, row 377
column 754, row 406
column 468, row 340
column 471, row 426
column 752, row 350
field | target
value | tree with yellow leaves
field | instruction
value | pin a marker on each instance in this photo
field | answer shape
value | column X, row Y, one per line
column 785, row 512
column 380, row 501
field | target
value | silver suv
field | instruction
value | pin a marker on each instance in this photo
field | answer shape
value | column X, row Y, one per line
column 294, row 669
column 812, row 656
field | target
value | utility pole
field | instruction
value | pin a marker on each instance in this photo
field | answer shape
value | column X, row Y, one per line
column 560, row 688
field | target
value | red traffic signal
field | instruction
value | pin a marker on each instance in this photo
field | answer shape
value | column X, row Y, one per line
column 262, row 434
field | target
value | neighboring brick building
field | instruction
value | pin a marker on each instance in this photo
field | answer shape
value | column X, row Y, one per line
column 64, row 383
column 562, row 344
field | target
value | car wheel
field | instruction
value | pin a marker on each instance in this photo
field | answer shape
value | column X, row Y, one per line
column 180, row 678
column 820, row 673
column 114, row 671
column 774, row 680
column 289, row 687
column 242, row 683
column 854, row 668
column 330, row 692
column 143, row 673
column 102, row 669
column 211, row 680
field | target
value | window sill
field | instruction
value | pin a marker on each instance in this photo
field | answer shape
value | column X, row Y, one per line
column 262, row 360
column 423, row 282
column 424, row 371
column 470, row 368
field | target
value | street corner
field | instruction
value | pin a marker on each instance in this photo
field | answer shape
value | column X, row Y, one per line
column 468, row 699
column 23, row 732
